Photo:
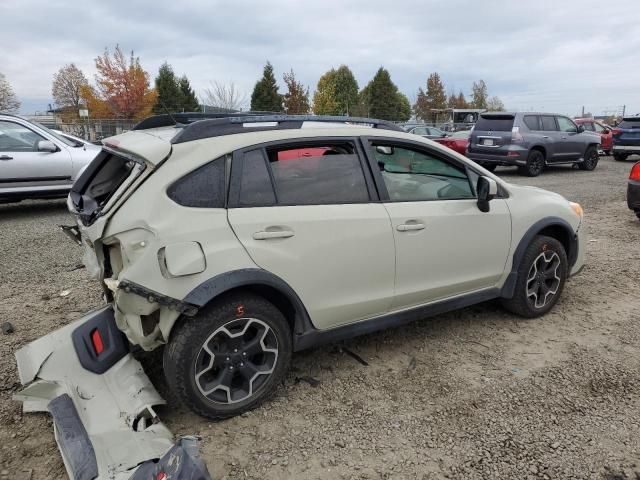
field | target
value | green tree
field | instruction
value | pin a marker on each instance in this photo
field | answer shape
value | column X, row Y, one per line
column 479, row 94
column 462, row 101
column 265, row 96
column 336, row 93
column 8, row 100
column 296, row 100
column 189, row 101
column 169, row 95
column 433, row 98
column 494, row 104
column 382, row 99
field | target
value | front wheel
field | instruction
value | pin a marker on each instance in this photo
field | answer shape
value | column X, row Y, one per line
column 540, row 278
column 607, row 152
column 534, row 165
column 590, row 159
column 620, row 157
column 230, row 357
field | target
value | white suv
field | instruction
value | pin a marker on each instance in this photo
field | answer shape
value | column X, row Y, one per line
column 237, row 241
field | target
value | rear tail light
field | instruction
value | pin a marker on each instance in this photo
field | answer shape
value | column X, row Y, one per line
column 96, row 340
column 513, row 154
column 516, row 136
column 616, row 131
column 635, row 172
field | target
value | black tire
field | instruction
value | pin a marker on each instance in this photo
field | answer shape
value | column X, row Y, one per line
column 534, row 166
column 541, row 250
column 233, row 373
column 607, row 153
column 489, row 166
column 637, row 212
column 620, row 157
column 590, row 161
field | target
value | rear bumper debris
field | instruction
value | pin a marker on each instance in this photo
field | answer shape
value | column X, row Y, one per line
column 104, row 422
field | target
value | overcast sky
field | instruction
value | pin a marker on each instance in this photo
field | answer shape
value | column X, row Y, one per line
column 542, row 55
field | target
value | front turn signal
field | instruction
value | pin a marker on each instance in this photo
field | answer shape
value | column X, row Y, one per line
column 577, row 208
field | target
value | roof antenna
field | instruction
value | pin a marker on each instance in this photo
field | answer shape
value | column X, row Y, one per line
column 177, row 124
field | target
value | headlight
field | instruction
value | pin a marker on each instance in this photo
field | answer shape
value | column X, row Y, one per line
column 577, row 208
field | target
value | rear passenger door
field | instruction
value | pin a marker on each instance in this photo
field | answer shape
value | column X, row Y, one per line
column 306, row 212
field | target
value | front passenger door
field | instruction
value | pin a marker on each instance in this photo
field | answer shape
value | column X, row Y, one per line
column 445, row 246
column 571, row 145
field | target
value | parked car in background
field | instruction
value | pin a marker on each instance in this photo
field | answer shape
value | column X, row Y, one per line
column 77, row 140
column 531, row 141
column 427, row 132
column 606, row 136
column 36, row 162
column 633, row 189
column 458, row 141
column 626, row 138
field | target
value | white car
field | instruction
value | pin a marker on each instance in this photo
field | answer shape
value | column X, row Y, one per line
column 234, row 242
column 36, row 162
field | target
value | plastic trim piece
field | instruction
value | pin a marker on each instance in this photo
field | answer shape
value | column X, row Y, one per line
column 184, row 307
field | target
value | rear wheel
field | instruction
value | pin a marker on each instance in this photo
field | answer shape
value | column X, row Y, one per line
column 620, row 157
column 607, row 152
column 230, row 357
column 638, row 214
column 540, row 278
column 534, row 166
column 590, row 159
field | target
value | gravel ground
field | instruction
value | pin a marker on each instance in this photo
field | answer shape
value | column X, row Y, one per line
column 473, row 394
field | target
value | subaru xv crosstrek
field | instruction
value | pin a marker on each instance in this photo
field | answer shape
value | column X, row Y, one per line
column 531, row 141
column 234, row 242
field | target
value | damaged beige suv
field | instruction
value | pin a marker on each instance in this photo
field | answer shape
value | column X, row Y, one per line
column 236, row 241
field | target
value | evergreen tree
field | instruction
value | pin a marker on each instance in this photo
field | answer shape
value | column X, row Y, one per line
column 265, row 96
column 462, row 101
column 336, row 93
column 188, row 100
column 434, row 97
column 383, row 100
column 169, row 95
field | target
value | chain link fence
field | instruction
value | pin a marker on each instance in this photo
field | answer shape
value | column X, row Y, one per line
column 94, row 130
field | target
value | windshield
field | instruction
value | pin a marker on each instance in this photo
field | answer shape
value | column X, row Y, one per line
column 64, row 140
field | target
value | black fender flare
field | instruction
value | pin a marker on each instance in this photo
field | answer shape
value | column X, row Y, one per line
column 509, row 286
column 246, row 277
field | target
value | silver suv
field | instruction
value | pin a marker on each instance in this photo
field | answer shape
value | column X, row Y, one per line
column 530, row 141
column 234, row 242
column 36, row 162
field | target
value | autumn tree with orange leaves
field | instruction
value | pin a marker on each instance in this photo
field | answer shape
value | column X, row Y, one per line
column 122, row 88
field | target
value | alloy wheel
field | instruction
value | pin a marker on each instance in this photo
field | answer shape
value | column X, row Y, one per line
column 543, row 279
column 236, row 360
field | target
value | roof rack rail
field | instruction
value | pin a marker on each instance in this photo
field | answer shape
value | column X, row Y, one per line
column 230, row 125
column 185, row 118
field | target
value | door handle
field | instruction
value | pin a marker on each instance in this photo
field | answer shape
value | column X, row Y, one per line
column 564, row 138
column 268, row 234
column 410, row 227
column 5, row 157
column 545, row 136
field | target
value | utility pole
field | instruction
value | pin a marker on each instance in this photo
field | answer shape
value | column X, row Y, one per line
column 624, row 108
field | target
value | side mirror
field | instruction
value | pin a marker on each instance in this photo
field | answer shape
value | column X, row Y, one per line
column 487, row 189
column 47, row 146
column 580, row 128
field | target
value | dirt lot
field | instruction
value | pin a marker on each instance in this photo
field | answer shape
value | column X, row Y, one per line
column 474, row 394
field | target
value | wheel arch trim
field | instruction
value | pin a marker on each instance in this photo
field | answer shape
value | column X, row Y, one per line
column 508, row 289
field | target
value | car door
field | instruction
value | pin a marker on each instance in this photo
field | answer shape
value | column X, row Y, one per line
column 551, row 135
column 313, row 221
column 571, row 142
column 22, row 166
column 445, row 246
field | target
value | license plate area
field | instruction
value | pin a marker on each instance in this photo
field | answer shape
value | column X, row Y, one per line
column 487, row 142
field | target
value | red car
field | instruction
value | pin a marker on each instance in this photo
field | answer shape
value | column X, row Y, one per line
column 606, row 136
column 458, row 141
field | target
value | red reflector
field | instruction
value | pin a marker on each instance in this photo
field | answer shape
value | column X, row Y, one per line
column 96, row 339
column 635, row 172
column 616, row 131
column 513, row 154
column 161, row 476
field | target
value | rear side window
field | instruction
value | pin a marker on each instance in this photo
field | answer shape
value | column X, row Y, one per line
column 549, row 123
column 202, row 188
column 318, row 174
column 255, row 185
column 495, row 123
column 532, row 122
column 566, row 125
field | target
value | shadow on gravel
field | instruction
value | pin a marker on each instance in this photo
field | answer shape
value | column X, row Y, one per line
column 27, row 208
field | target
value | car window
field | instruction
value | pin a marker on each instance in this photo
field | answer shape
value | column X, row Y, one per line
column 256, row 188
column 548, row 123
column 204, row 187
column 495, row 123
column 329, row 174
column 566, row 125
column 17, row 138
column 598, row 128
column 532, row 122
column 415, row 175
column 420, row 131
column 588, row 126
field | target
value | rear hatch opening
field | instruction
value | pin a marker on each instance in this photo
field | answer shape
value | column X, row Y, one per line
column 102, row 182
